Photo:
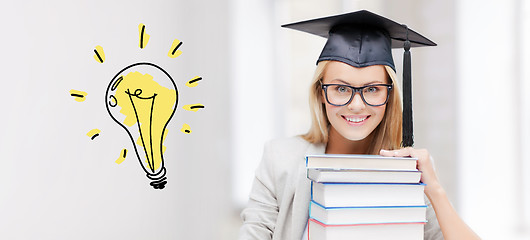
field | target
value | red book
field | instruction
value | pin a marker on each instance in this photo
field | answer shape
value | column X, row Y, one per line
column 384, row 231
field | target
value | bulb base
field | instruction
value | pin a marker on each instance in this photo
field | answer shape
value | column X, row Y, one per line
column 159, row 184
column 159, row 180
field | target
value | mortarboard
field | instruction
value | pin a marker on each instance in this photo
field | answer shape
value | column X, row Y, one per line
column 363, row 39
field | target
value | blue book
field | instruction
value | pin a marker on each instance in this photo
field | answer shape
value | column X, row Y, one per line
column 367, row 215
column 367, row 194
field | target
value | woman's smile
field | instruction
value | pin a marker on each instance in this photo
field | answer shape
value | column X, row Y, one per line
column 355, row 120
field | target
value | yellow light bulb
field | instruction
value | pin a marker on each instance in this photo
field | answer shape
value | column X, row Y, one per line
column 142, row 98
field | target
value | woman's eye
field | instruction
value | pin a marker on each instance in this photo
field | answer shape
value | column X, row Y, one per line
column 371, row 89
column 342, row 89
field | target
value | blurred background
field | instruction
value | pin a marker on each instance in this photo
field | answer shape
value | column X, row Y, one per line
column 470, row 110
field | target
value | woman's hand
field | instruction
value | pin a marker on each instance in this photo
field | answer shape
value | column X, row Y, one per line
column 452, row 226
column 424, row 164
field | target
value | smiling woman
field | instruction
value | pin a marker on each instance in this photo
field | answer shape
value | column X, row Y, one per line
column 387, row 135
column 355, row 110
column 355, row 119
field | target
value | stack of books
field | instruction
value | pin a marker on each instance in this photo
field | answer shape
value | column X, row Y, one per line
column 365, row 197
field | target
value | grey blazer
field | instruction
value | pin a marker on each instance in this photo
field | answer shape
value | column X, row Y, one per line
column 278, row 206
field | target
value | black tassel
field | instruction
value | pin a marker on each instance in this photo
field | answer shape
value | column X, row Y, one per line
column 408, row 136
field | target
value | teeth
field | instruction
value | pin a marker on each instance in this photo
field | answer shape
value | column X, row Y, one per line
column 356, row 120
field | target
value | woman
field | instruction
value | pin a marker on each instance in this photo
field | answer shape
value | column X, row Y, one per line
column 356, row 109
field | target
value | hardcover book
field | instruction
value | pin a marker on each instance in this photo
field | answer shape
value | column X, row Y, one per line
column 353, row 161
column 367, row 194
column 394, row 231
column 363, row 175
column 367, row 215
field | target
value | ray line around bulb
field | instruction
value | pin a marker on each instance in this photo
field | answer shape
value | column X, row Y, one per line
column 142, row 37
column 177, row 47
column 95, row 135
column 195, row 80
column 97, row 54
column 139, row 129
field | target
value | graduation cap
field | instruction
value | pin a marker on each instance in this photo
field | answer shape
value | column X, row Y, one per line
column 363, row 39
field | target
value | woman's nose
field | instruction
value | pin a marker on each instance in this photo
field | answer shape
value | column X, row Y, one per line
column 356, row 103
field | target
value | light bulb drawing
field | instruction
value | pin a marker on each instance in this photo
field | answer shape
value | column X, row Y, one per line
column 142, row 98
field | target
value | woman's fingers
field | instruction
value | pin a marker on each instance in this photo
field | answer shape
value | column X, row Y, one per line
column 428, row 175
column 403, row 152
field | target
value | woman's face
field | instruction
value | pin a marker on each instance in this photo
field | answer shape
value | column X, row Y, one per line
column 356, row 120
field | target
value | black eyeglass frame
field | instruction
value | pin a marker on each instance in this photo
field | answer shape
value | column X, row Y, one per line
column 355, row 90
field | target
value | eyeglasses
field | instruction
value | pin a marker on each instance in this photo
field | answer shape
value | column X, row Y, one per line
column 341, row 95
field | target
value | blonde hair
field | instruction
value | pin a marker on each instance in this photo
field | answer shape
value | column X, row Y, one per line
column 387, row 135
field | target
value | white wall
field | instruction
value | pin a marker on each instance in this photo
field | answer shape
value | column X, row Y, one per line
column 492, row 117
column 525, row 114
column 254, row 100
